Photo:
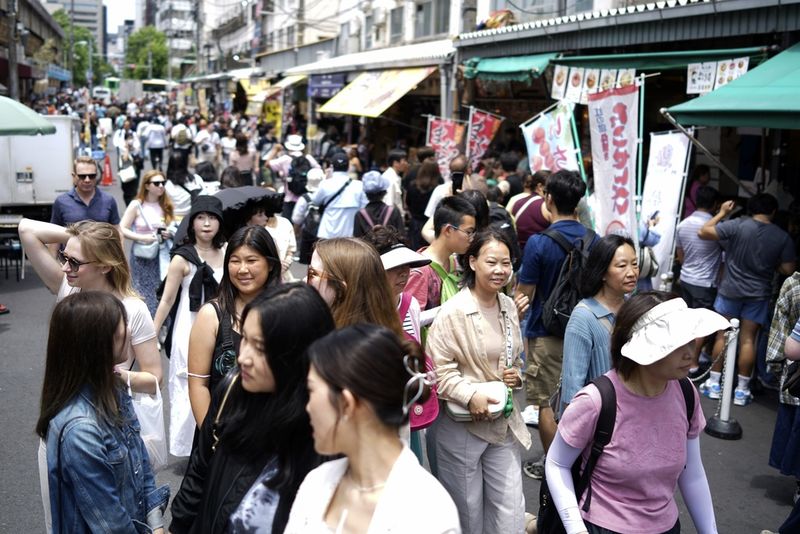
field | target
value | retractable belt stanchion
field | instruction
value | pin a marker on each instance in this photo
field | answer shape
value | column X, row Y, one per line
column 722, row 425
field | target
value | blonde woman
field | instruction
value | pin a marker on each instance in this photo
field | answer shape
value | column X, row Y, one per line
column 147, row 221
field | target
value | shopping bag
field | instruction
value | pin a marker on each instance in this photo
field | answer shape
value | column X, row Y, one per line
column 150, row 412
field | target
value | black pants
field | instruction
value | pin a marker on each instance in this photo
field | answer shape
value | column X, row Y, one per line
column 156, row 157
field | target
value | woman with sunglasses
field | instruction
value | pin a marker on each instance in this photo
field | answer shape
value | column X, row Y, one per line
column 98, row 470
column 362, row 381
column 251, row 265
column 476, row 340
column 348, row 274
column 146, row 221
column 255, row 447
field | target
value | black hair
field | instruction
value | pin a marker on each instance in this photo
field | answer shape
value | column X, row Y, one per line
column 367, row 360
column 396, row 154
column 479, row 202
column 375, row 195
column 474, row 250
column 762, row 204
column 230, row 177
column 706, row 197
column 178, row 167
column 566, row 188
column 450, row 211
column 260, row 240
column 600, row 257
column 383, row 238
column 206, row 171
column 630, row 312
column 425, row 152
column 539, row 178
column 509, row 161
column 698, row 171
column 191, row 238
column 257, row 426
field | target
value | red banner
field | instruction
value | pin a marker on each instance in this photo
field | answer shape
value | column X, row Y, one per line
column 482, row 128
column 445, row 137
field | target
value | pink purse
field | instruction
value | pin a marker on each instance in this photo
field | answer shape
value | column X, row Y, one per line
column 421, row 415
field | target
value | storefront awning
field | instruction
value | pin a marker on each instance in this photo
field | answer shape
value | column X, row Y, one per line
column 253, row 86
column 513, row 69
column 765, row 97
column 371, row 93
column 651, row 61
column 415, row 55
column 286, row 82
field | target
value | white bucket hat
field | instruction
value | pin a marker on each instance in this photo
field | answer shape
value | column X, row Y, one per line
column 294, row 143
column 669, row 326
column 400, row 255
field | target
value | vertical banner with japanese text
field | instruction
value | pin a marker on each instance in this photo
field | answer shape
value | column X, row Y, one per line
column 445, row 137
column 481, row 130
column 613, row 123
column 666, row 169
column 549, row 140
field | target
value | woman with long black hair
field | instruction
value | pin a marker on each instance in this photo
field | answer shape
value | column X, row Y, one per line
column 255, row 446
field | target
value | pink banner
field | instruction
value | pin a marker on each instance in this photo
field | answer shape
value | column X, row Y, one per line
column 613, row 122
column 482, row 128
column 445, row 137
column 549, row 140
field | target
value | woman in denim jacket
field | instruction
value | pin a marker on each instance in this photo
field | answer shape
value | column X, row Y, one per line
column 99, row 473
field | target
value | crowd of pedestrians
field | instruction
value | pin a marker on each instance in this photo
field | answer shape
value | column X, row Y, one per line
column 417, row 349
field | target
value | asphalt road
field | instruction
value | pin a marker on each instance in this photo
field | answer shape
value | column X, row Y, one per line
column 748, row 495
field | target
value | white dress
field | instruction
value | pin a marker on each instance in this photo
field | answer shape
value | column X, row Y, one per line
column 181, row 419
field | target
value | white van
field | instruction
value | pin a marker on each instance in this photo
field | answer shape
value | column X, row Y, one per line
column 102, row 93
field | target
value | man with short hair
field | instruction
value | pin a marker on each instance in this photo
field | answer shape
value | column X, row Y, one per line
column 342, row 197
column 84, row 201
column 541, row 264
column 508, row 164
column 754, row 249
column 397, row 162
column 209, row 145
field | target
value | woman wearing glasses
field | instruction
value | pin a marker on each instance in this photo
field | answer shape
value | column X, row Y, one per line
column 362, row 382
column 255, row 447
column 146, row 222
column 476, row 340
column 349, row 275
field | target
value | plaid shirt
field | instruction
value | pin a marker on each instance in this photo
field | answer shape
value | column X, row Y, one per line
column 787, row 313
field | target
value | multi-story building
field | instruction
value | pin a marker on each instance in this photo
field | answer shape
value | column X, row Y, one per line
column 176, row 18
column 87, row 14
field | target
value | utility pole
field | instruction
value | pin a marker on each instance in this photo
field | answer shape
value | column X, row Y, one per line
column 149, row 63
column 90, row 77
column 301, row 25
column 13, row 74
column 198, row 37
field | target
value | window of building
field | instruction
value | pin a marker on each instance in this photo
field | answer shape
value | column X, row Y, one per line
column 396, row 25
column 423, row 19
column 344, row 39
column 442, row 16
column 290, row 36
column 279, row 42
column 369, row 28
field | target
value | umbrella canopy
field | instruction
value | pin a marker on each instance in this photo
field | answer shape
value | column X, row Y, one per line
column 19, row 119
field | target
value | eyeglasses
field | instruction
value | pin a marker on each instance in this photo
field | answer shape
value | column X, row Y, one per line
column 87, row 176
column 74, row 264
column 157, row 183
column 313, row 273
column 469, row 233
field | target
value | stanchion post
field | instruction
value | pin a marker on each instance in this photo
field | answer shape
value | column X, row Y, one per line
column 722, row 425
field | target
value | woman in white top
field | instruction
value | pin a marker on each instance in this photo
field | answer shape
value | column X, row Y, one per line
column 362, row 381
column 147, row 219
column 195, row 272
column 182, row 186
column 266, row 214
column 228, row 144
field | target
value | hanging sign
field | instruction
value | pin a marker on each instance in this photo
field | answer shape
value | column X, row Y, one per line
column 574, row 85
column 700, row 77
column 549, row 140
column 613, row 123
column 482, row 128
column 559, row 89
column 445, row 137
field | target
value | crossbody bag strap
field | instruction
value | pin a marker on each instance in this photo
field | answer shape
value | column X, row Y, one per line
column 141, row 212
column 226, row 326
column 363, row 212
column 339, row 192
column 688, row 397
column 215, row 424
column 387, row 214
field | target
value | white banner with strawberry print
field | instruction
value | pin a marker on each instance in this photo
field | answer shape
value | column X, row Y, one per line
column 548, row 137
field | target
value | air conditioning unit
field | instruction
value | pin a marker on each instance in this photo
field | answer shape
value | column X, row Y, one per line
column 379, row 16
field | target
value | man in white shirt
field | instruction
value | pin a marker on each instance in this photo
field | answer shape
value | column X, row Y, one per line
column 208, row 144
column 397, row 166
column 340, row 212
column 156, row 136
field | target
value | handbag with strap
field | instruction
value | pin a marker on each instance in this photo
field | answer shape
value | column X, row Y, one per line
column 315, row 212
column 145, row 251
column 792, row 384
column 421, row 415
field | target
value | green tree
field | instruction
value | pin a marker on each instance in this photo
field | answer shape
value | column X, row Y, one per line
column 140, row 43
column 80, row 52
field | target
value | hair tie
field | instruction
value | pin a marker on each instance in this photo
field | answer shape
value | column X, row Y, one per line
column 415, row 384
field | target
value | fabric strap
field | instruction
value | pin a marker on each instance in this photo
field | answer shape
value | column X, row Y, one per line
column 518, row 212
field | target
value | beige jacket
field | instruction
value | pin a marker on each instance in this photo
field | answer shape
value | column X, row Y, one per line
column 455, row 342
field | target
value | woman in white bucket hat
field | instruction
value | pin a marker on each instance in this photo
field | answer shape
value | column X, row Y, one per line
column 654, row 446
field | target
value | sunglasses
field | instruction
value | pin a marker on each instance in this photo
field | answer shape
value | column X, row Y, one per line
column 74, row 264
column 87, row 176
column 157, row 183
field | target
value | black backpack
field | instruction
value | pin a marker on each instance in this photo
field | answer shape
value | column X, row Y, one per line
column 298, row 175
column 549, row 521
column 565, row 294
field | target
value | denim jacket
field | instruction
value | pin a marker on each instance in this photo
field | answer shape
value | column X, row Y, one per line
column 107, row 483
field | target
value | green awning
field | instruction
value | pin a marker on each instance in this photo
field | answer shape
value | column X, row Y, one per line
column 765, row 97
column 19, row 119
column 652, row 61
column 507, row 69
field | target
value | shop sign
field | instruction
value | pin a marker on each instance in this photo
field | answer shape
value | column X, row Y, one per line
column 574, row 85
column 700, row 77
column 730, row 69
column 613, row 123
column 549, row 140
column 445, row 137
column 325, row 85
column 482, row 128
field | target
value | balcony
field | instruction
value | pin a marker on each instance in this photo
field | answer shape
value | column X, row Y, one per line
column 230, row 25
column 179, row 6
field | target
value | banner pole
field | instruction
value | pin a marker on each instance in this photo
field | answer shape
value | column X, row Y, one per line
column 428, row 132
column 640, row 150
column 577, row 145
column 680, row 201
column 545, row 110
column 469, row 131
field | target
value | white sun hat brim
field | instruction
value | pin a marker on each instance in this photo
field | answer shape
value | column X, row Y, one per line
column 402, row 255
column 669, row 326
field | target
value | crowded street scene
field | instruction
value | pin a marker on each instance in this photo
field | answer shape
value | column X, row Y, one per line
column 400, row 266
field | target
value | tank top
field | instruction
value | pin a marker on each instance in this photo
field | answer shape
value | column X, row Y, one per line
column 530, row 220
column 226, row 348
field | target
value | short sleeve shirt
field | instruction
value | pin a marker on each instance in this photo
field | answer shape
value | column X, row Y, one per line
column 753, row 251
column 69, row 208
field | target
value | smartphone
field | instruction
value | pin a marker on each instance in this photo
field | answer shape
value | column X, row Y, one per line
column 458, row 181
column 655, row 214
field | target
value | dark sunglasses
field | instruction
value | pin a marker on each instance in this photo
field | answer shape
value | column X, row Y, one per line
column 74, row 264
column 87, row 176
column 157, row 183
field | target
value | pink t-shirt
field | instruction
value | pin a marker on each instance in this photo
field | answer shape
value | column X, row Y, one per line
column 634, row 481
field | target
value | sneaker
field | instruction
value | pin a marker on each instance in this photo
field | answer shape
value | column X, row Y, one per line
column 742, row 397
column 534, row 470
column 711, row 389
column 531, row 415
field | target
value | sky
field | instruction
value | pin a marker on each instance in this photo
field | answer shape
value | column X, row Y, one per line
column 118, row 11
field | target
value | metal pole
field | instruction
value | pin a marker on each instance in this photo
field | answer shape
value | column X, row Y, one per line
column 577, row 146
column 149, row 63
column 722, row 425
column 72, row 38
column 641, row 143
column 13, row 73
column 707, row 152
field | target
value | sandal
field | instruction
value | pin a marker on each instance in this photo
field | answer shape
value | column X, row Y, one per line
column 3, row 309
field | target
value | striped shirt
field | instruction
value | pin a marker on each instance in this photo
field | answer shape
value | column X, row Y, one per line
column 700, row 257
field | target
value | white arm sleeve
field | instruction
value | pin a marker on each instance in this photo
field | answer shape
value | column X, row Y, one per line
column 696, row 493
column 559, row 462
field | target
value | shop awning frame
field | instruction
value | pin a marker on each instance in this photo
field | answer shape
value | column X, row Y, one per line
column 658, row 61
column 513, row 68
column 284, row 83
column 765, row 97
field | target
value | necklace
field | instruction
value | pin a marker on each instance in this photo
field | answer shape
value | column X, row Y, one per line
column 198, row 247
column 364, row 489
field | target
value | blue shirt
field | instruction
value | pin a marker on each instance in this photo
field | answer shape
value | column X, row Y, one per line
column 587, row 347
column 541, row 263
column 68, row 208
column 337, row 219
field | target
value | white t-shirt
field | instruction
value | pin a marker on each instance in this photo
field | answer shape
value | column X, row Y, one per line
column 439, row 192
column 207, row 145
column 182, row 199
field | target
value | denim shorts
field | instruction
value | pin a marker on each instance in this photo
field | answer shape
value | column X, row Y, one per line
column 752, row 310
